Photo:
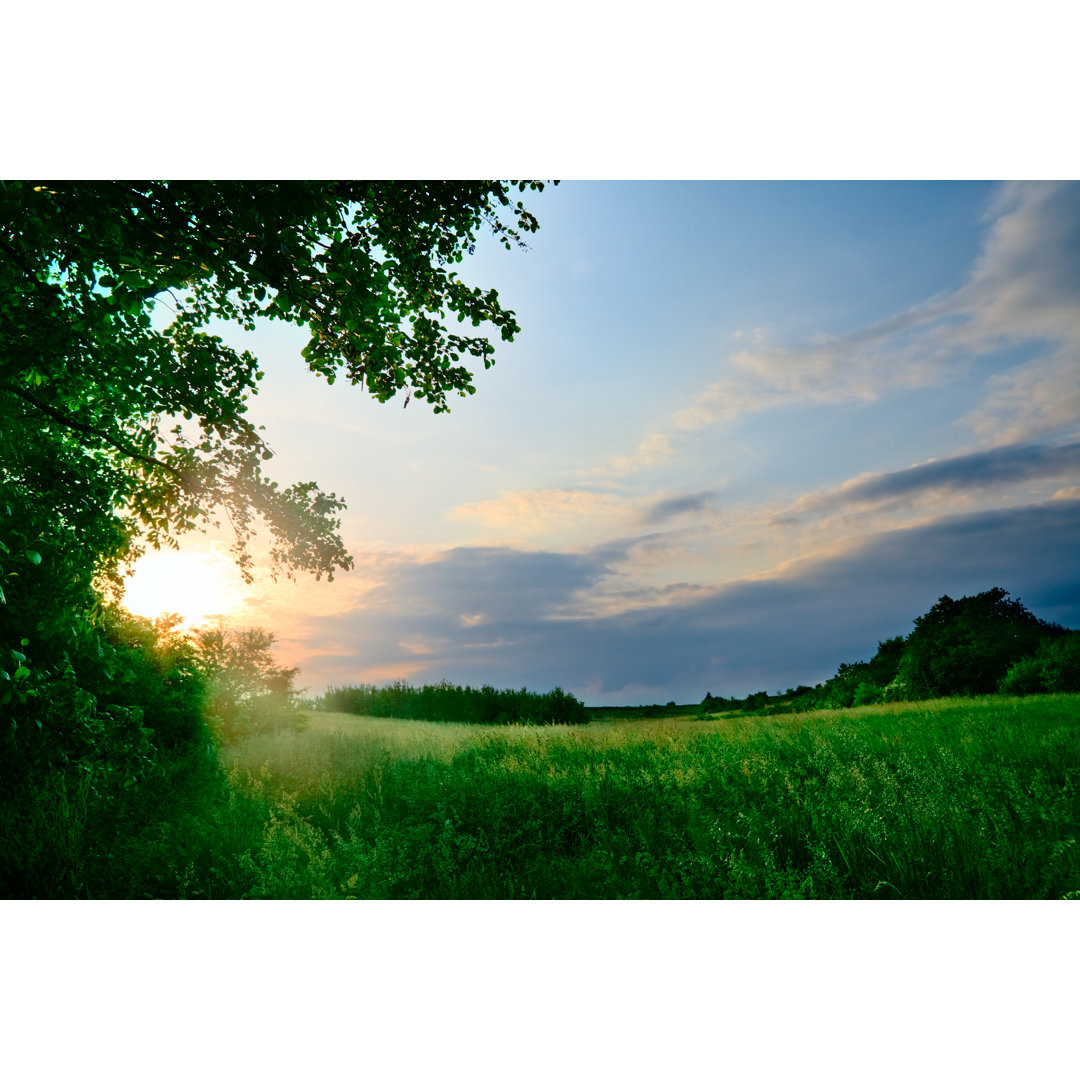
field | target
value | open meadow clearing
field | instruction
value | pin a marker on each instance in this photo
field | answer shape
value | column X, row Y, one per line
column 974, row 798
column 951, row 799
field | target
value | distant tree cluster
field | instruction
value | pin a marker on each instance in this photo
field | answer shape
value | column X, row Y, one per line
column 980, row 644
column 445, row 702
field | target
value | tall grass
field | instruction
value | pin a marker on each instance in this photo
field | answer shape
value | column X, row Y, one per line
column 939, row 800
column 181, row 832
column 951, row 799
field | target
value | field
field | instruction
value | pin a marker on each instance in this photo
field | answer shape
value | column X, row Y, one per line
column 948, row 799
column 945, row 799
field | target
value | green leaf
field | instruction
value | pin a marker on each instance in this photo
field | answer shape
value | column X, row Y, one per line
column 34, row 557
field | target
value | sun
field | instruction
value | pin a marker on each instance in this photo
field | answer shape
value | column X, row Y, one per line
column 196, row 585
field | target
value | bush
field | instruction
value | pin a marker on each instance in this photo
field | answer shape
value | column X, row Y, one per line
column 868, row 694
column 1054, row 669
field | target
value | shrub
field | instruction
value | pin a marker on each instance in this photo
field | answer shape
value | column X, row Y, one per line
column 1054, row 669
column 868, row 694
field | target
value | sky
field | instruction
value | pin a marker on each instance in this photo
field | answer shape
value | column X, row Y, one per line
column 747, row 431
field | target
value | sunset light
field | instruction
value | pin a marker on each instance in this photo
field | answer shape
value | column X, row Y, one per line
column 197, row 585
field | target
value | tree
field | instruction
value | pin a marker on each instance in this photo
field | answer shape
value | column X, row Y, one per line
column 1053, row 669
column 966, row 646
column 120, row 430
column 247, row 691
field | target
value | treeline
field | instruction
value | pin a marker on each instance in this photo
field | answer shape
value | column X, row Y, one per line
column 980, row 644
column 446, row 703
column 638, row 712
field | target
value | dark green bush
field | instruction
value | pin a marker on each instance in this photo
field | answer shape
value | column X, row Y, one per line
column 1054, row 669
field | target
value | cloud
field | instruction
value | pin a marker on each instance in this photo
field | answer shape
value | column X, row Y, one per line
column 1039, row 397
column 770, row 632
column 678, row 506
column 1026, row 280
column 985, row 469
column 491, row 584
column 1024, row 286
column 571, row 516
column 652, row 450
column 550, row 509
column 1023, row 289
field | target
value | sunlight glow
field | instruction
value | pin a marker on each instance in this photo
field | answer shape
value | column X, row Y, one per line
column 197, row 585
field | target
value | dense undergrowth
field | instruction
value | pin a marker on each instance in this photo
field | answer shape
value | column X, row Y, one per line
column 953, row 799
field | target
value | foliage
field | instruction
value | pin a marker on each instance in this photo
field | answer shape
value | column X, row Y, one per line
column 966, row 646
column 123, row 413
column 123, row 686
column 89, row 382
column 1053, row 669
column 639, row 712
column 181, row 832
column 151, row 665
column 247, row 691
column 445, row 702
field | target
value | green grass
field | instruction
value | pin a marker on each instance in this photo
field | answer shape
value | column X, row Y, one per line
column 950, row 799
column 937, row 800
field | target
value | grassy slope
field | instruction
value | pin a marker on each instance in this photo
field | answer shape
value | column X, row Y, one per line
column 946, row 799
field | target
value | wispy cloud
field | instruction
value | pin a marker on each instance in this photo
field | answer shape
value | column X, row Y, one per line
column 652, row 450
column 1039, row 397
column 538, row 511
column 571, row 517
column 983, row 470
column 1023, row 287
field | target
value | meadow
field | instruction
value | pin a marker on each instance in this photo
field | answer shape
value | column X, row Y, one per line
column 947, row 799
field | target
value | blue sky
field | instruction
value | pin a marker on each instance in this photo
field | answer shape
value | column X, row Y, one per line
column 748, row 429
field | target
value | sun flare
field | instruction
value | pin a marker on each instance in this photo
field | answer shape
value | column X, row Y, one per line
column 196, row 585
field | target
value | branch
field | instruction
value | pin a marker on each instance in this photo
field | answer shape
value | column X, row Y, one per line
column 16, row 257
column 75, row 425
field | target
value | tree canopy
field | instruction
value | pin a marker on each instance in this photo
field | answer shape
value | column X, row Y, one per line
column 93, row 391
column 966, row 646
column 123, row 414
column 975, row 645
